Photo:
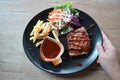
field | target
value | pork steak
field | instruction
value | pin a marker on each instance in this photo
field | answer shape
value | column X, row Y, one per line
column 78, row 42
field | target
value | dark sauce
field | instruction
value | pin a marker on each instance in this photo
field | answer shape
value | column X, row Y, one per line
column 91, row 27
column 70, row 61
column 50, row 49
column 77, row 64
column 91, row 35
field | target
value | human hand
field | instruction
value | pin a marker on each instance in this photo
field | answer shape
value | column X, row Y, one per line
column 108, row 58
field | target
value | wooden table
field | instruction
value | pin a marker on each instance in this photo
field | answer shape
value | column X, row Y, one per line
column 14, row 16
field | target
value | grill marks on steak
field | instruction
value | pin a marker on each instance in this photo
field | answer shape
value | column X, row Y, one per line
column 78, row 42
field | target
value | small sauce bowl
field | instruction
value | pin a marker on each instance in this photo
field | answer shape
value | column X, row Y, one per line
column 51, row 51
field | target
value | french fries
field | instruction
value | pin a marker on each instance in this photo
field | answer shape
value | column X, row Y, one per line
column 40, row 31
column 38, row 43
column 55, row 34
column 38, row 25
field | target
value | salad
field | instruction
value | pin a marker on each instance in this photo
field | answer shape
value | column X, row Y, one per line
column 64, row 17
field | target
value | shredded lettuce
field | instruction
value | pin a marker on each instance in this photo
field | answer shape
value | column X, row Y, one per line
column 65, row 30
column 67, row 5
column 63, row 5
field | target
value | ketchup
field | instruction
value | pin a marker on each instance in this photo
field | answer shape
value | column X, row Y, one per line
column 50, row 49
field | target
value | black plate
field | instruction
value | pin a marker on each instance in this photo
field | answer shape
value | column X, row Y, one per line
column 68, row 65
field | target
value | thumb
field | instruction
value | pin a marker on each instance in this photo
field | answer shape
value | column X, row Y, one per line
column 100, row 49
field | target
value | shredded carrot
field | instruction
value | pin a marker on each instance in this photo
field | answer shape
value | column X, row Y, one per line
column 56, row 14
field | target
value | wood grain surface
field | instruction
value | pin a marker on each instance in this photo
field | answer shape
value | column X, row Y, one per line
column 14, row 16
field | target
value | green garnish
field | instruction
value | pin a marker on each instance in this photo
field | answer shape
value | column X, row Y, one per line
column 67, row 5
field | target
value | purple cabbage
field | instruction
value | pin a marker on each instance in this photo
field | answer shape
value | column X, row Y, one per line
column 75, row 21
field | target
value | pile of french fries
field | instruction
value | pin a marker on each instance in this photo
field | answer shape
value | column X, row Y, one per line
column 41, row 31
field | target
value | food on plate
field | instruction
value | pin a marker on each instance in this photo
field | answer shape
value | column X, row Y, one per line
column 78, row 42
column 51, row 50
column 63, row 19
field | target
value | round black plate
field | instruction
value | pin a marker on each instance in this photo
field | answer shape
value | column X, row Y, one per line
column 68, row 65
